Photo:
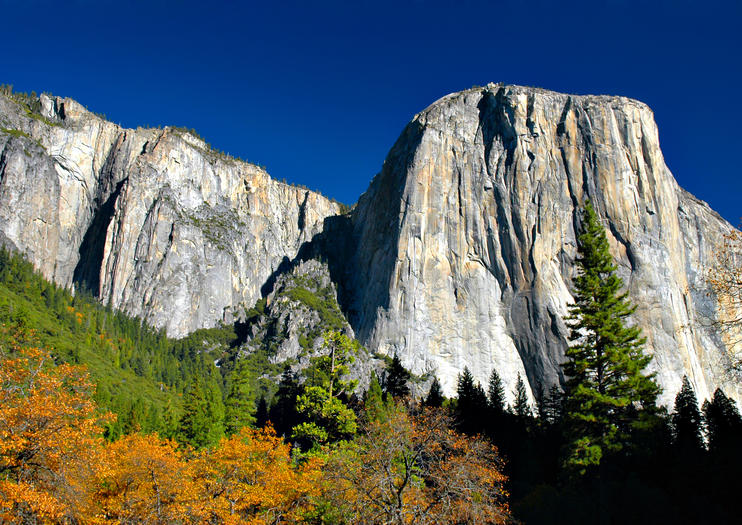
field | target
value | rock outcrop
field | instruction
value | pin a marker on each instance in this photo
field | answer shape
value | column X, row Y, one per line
column 288, row 325
column 459, row 254
column 150, row 221
column 466, row 239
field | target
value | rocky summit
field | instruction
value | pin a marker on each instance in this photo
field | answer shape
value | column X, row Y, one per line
column 461, row 252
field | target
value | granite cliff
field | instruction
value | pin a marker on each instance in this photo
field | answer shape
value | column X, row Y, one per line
column 466, row 238
column 459, row 254
column 152, row 221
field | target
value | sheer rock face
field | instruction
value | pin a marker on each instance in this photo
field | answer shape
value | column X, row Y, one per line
column 466, row 239
column 151, row 221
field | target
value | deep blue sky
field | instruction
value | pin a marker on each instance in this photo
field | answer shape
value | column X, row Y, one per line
column 318, row 91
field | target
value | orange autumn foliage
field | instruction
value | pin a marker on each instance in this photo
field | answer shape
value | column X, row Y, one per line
column 56, row 468
column 147, row 479
column 250, row 478
column 49, row 435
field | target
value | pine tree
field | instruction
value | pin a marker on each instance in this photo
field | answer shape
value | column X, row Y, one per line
column 471, row 404
column 261, row 412
column 194, row 425
column 496, row 394
column 435, row 396
column 214, row 406
column 551, row 405
column 608, row 397
column 238, row 406
column 687, row 433
column 723, row 423
column 396, row 378
column 283, row 413
column 521, row 406
column 327, row 419
column 373, row 405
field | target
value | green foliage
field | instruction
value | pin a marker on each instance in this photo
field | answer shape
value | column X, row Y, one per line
column 17, row 133
column 686, row 420
column 29, row 103
column 551, row 405
column 471, row 404
column 261, row 412
column 240, row 402
column 608, row 396
column 201, row 423
column 323, row 302
column 326, row 418
column 329, row 369
column 329, row 420
column 283, row 413
column 139, row 372
column 375, row 407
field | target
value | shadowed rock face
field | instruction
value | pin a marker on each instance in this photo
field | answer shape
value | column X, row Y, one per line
column 459, row 254
column 150, row 221
column 466, row 239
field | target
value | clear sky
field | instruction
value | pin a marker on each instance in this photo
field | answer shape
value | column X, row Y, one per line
column 319, row 91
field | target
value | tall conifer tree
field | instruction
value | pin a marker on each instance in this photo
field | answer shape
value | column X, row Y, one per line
column 521, row 406
column 496, row 394
column 686, row 420
column 470, row 405
column 723, row 422
column 240, row 402
column 373, row 403
column 198, row 424
column 608, row 396
column 435, row 396
column 396, row 378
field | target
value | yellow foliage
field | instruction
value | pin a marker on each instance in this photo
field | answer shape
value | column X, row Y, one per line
column 415, row 469
column 49, row 435
column 144, row 478
column 251, row 478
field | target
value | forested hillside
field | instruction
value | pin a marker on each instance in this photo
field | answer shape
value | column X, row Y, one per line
column 140, row 374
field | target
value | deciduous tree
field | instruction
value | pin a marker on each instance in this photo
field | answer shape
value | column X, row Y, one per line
column 725, row 278
column 416, row 470
column 251, row 478
column 50, row 431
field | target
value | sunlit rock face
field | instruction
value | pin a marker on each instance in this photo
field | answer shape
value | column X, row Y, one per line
column 151, row 221
column 466, row 239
